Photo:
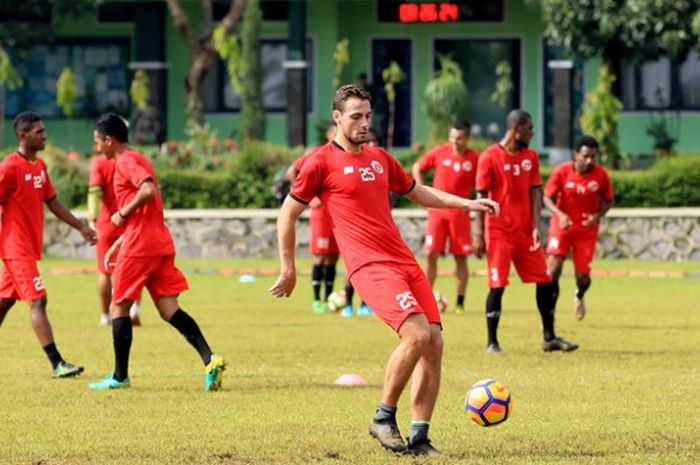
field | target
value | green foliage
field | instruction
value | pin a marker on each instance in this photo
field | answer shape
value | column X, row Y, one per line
column 69, row 174
column 229, row 49
column 139, row 90
column 504, row 84
column 634, row 29
column 391, row 76
column 252, row 112
column 445, row 98
column 341, row 56
column 601, row 113
column 9, row 77
column 66, row 91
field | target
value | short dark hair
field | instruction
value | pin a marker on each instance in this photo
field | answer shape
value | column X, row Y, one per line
column 518, row 117
column 25, row 120
column 585, row 141
column 347, row 91
column 114, row 126
column 461, row 125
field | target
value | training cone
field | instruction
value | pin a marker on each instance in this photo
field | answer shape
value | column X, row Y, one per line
column 350, row 380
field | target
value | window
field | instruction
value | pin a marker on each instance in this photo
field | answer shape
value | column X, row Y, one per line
column 478, row 59
column 661, row 84
column 384, row 51
column 100, row 69
column 219, row 96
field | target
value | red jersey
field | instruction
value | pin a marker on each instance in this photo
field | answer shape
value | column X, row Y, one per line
column 102, row 174
column 579, row 194
column 453, row 173
column 145, row 233
column 354, row 187
column 24, row 187
column 508, row 178
column 320, row 211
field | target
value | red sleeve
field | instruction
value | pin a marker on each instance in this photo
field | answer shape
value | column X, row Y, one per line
column 309, row 182
column 553, row 186
column 484, row 175
column 427, row 161
column 608, row 191
column 131, row 170
column 7, row 180
column 96, row 178
column 49, row 191
column 400, row 181
column 535, row 178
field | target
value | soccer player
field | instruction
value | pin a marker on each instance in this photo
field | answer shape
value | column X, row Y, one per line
column 25, row 187
column 102, row 204
column 146, row 258
column 509, row 173
column 455, row 171
column 353, row 181
column 578, row 194
column 322, row 244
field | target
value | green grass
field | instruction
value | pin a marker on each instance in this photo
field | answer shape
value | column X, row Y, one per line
column 628, row 396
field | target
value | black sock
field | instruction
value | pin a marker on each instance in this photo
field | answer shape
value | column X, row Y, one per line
column 493, row 313
column 53, row 354
column 581, row 289
column 349, row 293
column 122, row 335
column 419, row 432
column 316, row 278
column 555, row 291
column 460, row 300
column 545, row 304
column 188, row 328
column 385, row 413
column 329, row 278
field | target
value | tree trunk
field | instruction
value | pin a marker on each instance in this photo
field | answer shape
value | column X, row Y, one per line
column 390, row 125
column 194, row 84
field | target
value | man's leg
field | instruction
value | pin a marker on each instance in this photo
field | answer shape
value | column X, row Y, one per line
column 554, row 267
column 329, row 270
column 122, row 336
column 462, row 274
column 5, row 306
column 493, row 316
column 425, row 386
column 431, row 267
column 316, row 279
column 583, row 282
column 104, row 291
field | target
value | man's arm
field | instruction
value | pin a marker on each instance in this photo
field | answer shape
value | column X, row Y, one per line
column 536, row 206
column 551, row 204
column 478, row 242
column 435, row 198
column 63, row 214
column 286, row 238
column 94, row 198
column 417, row 173
column 591, row 219
column 147, row 190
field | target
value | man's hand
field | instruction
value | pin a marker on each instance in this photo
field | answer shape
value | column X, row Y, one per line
column 90, row 235
column 484, row 205
column 478, row 245
column 564, row 220
column 109, row 262
column 117, row 219
column 589, row 219
column 284, row 285
column 536, row 244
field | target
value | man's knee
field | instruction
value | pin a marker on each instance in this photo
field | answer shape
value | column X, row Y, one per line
column 39, row 305
column 415, row 332
column 437, row 343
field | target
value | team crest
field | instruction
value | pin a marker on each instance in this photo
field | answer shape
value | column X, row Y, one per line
column 526, row 164
column 593, row 186
column 456, row 167
column 467, row 166
column 376, row 166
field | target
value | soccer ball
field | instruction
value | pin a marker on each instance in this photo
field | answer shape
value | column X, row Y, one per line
column 441, row 301
column 336, row 301
column 489, row 403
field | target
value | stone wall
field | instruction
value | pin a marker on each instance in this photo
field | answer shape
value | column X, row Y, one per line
column 645, row 234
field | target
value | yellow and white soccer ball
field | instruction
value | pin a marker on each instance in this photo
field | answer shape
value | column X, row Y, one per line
column 441, row 301
column 336, row 301
column 489, row 403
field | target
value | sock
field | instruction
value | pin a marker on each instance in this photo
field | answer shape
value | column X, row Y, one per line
column 53, row 354
column 385, row 413
column 581, row 290
column 545, row 304
column 135, row 308
column 188, row 328
column 349, row 293
column 493, row 313
column 419, row 431
column 316, row 277
column 460, row 300
column 555, row 291
column 329, row 278
column 121, row 337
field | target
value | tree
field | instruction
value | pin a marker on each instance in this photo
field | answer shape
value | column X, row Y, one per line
column 601, row 113
column 202, row 49
column 636, row 29
column 252, row 109
column 445, row 98
column 392, row 76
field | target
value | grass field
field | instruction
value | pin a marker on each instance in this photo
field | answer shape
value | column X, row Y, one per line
column 630, row 395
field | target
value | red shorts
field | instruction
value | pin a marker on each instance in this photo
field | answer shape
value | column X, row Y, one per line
column 530, row 265
column 20, row 280
column 158, row 274
column 580, row 243
column 452, row 223
column 322, row 238
column 101, row 248
column 396, row 291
